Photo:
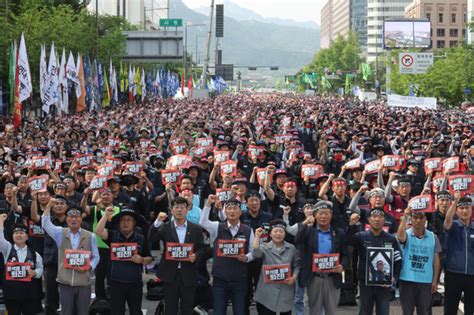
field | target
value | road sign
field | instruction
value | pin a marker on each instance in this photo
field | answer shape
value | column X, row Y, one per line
column 171, row 22
column 414, row 63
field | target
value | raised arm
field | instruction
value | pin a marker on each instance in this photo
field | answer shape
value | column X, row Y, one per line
column 448, row 220
column 209, row 226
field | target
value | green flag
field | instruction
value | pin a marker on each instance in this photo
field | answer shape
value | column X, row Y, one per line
column 366, row 71
column 325, row 83
column 306, row 79
column 12, row 75
column 348, row 85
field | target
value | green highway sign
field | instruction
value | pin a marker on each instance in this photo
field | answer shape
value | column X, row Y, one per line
column 171, row 22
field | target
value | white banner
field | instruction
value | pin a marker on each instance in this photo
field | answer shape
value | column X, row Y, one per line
column 395, row 100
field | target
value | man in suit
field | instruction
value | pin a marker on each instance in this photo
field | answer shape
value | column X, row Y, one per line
column 317, row 236
column 183, row 246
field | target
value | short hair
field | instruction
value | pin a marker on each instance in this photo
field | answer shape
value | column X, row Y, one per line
column 253, row 193
column 185, row 176
column 179, row 201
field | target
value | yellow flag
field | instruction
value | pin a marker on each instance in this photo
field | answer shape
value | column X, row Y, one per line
column 105, row 91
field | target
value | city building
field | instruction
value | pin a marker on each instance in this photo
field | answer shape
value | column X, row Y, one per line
column 145, row 13
column 359, row 21
column 448, row 20
column 470, row 19
column 377, row 12
column 335, row 20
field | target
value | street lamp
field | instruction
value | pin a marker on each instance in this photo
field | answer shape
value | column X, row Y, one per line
column 185, row 57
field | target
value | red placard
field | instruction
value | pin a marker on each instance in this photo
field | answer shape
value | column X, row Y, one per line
column 394, row 162
column 123, row 251
column 98, row 182
column 372, row 167
column 223, row 194
column 422, row 203
column 83, row 160
column 58, row 166
column 38, row 183
column 179, row 161
column 230, row 248
column 276, row 273
column 311, row 171
column 170, row 176
column 178, row 251
column 40, row 162
column 114, row 142
column 352, row 164
column 228, row 168
column 256, row 151
column 106, row 170
column 436, row 183
column 451, row 165
column 325, row 262
column 221, row 156
column 262, row 174
column 17, row 271
column 283, row 138
column 179, row 148
column 35, row 230
column 199, row 152
column 133, row 167
column 145, row 143
column 463, row 183
column 433, row 164
column 116, row 162
column 205, row 143
column 77, row 259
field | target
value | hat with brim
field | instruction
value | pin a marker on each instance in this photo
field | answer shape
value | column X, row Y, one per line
column 128, row 179
column 19, row 227
column 126, row 211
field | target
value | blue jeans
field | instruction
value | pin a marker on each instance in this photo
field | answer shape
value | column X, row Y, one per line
column 370, row 295
column 299, row 300
column 223, row 290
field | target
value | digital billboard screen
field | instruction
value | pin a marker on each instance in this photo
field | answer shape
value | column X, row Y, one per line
column 407, row 34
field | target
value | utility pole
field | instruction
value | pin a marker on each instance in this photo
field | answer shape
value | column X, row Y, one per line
column 208, row 44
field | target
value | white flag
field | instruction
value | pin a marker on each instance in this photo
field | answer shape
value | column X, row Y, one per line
column 131, row 75
column 63, row 88
column 78, row 86
column 51, row 89
column 71, row 73
column 113, row 79
column 143, row 84
column 43, row 75
column 25, row 88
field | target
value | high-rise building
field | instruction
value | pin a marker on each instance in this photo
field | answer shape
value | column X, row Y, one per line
column 145, row 13
column 470, row 19
column 377, row 12
column 448, row 20
column 335, row 20
column 359, row 21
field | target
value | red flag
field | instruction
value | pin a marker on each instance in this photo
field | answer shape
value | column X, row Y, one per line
column 190, row 86
column 182, row 82
column 18, row 107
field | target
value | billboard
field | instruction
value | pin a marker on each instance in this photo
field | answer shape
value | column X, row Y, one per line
column 407, row 34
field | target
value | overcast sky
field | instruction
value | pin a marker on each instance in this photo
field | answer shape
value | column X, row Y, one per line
column 298, row 10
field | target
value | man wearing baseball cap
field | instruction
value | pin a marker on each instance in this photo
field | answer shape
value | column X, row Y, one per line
column 399, row 202
column 459, row 276
column 77, row 256
column 230, row 265
column 420, row 263
column 321, row 238
column 374, row 237
column 130, row 252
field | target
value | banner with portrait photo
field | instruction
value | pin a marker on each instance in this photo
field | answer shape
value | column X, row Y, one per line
column 379, row 266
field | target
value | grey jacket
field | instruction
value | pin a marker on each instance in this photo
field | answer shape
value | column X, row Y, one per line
column 277, row 297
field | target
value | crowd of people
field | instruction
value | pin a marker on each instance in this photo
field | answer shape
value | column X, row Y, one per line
column 285, row 196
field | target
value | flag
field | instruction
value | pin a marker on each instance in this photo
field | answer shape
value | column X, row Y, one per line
column 13, row 53
column 25, row 88
column 348, row 84
column 306, row 79
column 63, row 87
column 17, row 108
column 123, row 78
column 105, row 91
column 366, row 71
column 51, row 87
column 115, row 87
column 183, row 79
column 95, row 100
column 190, row 86
column 130, row 84
column 143, row 85
column 325, row 83
column 100, row 77
column 43, row 76
column 81, row 98
column 71, row 74
column 88, row 81
column 137, row 89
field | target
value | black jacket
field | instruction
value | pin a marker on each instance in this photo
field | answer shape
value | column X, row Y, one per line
column 307, row 242
column 167, row 269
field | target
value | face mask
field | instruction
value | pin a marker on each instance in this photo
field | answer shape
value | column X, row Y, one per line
column 338, row 157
